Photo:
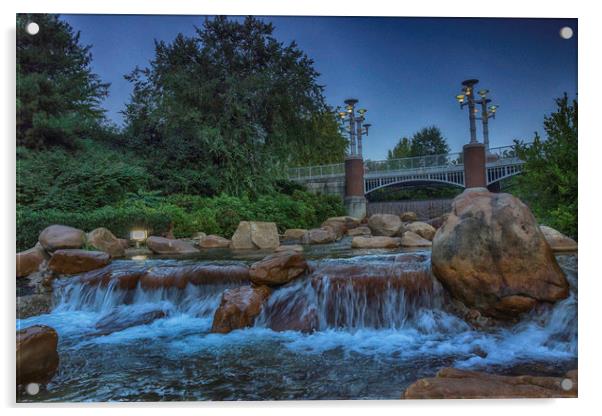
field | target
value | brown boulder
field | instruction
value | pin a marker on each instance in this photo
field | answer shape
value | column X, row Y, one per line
column 319, row 236
column 387, row 225
column 295, row 234
column 375, row 242
column 239, row 307
column 214, row 241
column 411, row 239
column 491, row 255
column 255, row 235
column 37, row 356
column 557, row 240
column 451, row 383
column 423, row 229
column 162, row 245
column 29, row 261
column 56, row 237
column 408, row 216
column 437, row 222
column 340, row 225
column 77, row 261
column 278, row 269
column 102, row 239
column 359, row 231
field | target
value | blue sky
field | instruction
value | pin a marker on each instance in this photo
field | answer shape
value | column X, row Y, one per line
column 405, row 71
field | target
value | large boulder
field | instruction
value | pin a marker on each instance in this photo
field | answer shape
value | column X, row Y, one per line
column 255, row 235
column 214, row 241
column 77, row 261
column 362, row 230
column 375, row 242
column 387, row 225
column 340, row 225
column 411, row 239
column 423, row 229
column 408, row 216
column 451, row 383
column 557, row 240
column 29, row 261
column 239, row 307
column 319, row 236
column 278, row 268
column 294, row 234
column 102, row 239
column 437, row 222
column 56, row 237
column 162, row 245
column 37, row 356
column 491, row 255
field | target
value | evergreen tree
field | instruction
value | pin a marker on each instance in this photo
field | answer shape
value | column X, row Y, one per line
column 402, row 149
column 428, row 141
column 58, row 96
column 549, row 181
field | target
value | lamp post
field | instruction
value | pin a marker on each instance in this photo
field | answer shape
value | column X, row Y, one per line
column 356, row 127
column 487, row 112
column 467, row 98
column 355, row 200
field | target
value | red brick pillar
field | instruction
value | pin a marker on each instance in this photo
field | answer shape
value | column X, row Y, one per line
column 355, row 201
column 475, row 171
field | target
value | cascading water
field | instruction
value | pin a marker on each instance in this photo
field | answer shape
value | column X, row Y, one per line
column 357, row 327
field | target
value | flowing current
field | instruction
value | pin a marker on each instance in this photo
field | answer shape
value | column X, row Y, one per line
column 363, row 326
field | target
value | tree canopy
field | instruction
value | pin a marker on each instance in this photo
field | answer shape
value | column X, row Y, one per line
column 227, row 109
column 58, row 95
column 549, row 180
column 426, row 141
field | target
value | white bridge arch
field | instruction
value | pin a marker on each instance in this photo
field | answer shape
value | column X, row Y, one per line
column 502, row 163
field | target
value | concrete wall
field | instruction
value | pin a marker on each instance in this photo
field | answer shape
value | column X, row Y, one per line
column 329, row 186
column 425, row 210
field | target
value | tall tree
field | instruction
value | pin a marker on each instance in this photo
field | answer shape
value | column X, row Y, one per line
column 224, row 110
column 402, row 149
column 58, row 95
column 429, row 141
column 549, row 180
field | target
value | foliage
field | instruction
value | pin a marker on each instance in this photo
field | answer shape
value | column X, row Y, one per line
column 228, row 110
column 184, row 214
column 549, row 181
column 89, row 177
column 401, row 150
column 58, row 96
column 423, row 192
column 428, row 141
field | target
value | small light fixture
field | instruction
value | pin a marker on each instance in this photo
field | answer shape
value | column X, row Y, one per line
column 483, row 93
column 493, row 108
column 460, row 98
column 342, row 114
column 138, row 236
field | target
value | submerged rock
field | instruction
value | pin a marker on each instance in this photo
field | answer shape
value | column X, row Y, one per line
column 37, row 356
column 102, row 239
column 491, row 255
column 411, row 239
column 387, row 225
column 33, row 305
column 29, row 261
column 162, row 245
column 451, row 383
column 57, row 237
column 557, row 240
column 118, row 321
column 278, row 269
column 239, row 307
column 423, row 229
column 375, row 242
column 77, row 261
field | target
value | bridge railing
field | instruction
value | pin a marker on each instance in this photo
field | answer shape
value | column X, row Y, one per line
column 415, row 163
column 503, row 153
column 317, row 171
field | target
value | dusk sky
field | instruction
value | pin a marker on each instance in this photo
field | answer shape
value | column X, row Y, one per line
column 405, row 71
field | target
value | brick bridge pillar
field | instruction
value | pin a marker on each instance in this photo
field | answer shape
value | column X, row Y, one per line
column 475, row 171
column 355, row 201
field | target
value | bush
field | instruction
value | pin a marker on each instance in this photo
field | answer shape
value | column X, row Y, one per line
column 187, row 214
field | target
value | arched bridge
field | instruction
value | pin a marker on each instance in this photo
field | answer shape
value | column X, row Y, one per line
column 501, row 163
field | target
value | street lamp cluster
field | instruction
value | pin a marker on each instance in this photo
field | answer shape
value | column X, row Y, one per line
column 467, row 98
column 356, row 127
